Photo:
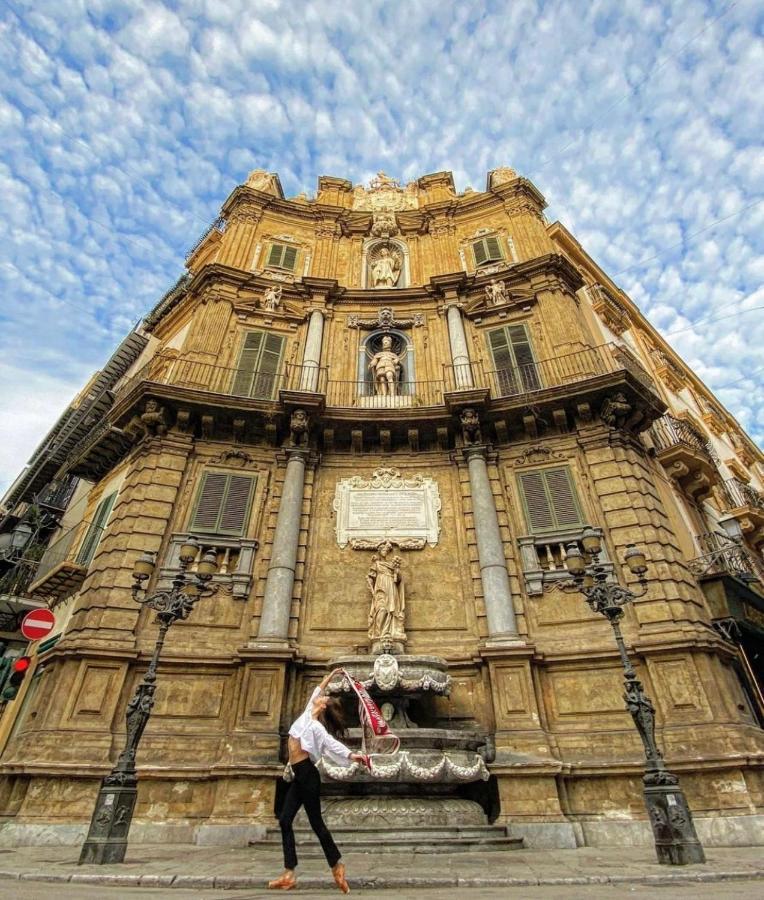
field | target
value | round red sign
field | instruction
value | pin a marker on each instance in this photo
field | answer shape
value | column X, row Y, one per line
column 37, row 624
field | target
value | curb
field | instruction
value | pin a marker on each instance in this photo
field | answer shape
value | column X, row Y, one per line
column 242, row 882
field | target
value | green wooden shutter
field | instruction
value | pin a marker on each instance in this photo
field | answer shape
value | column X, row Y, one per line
column 492, row 247
column 276, row 252
column 503, row 362
column 481, row 254
column 550, row 500
column 282, row 256
column 95, row 530
column 223, row 503
column 265, row 381
column 248, row 360
column 523, row 354
column 209, row 502
column 235, row 511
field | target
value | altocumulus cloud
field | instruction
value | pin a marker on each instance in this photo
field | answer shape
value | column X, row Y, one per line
column 125, row 123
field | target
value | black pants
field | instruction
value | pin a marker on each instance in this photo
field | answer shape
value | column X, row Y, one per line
column 305, row 791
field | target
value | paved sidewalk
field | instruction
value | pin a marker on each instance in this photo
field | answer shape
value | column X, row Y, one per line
column 192, row 867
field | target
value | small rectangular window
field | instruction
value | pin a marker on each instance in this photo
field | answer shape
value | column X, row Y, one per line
column 486, row 250
column 95, row 531
column 223, row 503
column 550, row 501
column 282, row 256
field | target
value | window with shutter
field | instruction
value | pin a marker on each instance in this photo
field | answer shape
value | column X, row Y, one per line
column 259, row 365
column 486, row 250
column 223, row 503
column 95, row 530
column 282, row 256
column 549, row 500
column 513, row 360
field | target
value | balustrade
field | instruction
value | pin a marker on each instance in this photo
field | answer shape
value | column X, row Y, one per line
column 235, row 561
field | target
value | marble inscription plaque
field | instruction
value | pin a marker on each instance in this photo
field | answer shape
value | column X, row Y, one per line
column 401, row 508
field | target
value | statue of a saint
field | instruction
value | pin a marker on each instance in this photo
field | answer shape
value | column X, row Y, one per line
column 387, row 596
column 386, row 366
column 385, row 269
column 272, row 298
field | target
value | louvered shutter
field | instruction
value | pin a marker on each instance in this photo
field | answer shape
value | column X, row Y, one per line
column 235, row 511
column 550, row 500
column 479, row 249
column 209, row 502
column 265, row 381
column 95, row 530
column 493, row 250
column 248, row 362
column 523, row 354
column 538, row 510
column 289, row 258
column 506, row 377
column 223, row 503
column 276, row 252
column 563, row 497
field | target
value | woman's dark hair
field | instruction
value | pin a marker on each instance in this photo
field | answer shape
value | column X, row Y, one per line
column 334, row 719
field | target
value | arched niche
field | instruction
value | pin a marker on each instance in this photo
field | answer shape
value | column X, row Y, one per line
column 402, row 347
column 373, row 249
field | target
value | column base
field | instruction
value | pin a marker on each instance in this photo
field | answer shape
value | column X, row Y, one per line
column 499, row 641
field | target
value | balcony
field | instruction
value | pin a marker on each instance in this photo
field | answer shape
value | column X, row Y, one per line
column 362, row 395
column 686, row 455
column 542, row 558
column 65, row 563
column 55, row 496
column 746, row 504
column 235, row 561
column 724, row 556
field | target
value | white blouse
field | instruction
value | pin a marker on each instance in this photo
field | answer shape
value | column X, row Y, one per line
column 315, row 740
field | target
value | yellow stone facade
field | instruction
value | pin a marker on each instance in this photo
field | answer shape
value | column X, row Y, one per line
column 568, row 760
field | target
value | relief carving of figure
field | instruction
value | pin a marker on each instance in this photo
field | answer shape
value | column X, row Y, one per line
column 153, row 418
column 470, row 422
column 496, row 292
column 385, row 268
column 272, row 297
column 298, row 428
column 384, row 224
column 386, row 366
column 387, row 596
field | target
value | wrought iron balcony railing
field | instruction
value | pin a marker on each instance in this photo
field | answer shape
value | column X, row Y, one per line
column 669, row 432
column 724, row 556
column 65, row 562
column 741, row 494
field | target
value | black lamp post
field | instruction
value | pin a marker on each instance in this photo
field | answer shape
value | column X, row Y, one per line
column 107, row 837
column 676, row 841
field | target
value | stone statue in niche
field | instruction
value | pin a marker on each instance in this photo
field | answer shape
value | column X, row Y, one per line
column 470, row 422
column 298, row 428
column 386, row 366
column 496, row 292
column 385, row 266
column 386, row 625
column 272, row 298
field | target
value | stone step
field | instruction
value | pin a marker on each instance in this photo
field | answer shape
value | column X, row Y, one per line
column 452, row 838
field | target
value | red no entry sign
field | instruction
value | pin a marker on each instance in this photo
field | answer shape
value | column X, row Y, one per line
column 37, row 624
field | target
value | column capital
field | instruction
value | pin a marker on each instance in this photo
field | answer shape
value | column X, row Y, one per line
column 476, row 451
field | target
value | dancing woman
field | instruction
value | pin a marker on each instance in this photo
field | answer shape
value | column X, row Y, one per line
column 309, row 740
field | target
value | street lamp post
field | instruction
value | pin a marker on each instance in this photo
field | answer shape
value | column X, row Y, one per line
column 676, row 841
column 106, row 841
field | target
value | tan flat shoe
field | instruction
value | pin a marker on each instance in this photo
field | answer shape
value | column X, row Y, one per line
column 339, row 878
column 284, row 883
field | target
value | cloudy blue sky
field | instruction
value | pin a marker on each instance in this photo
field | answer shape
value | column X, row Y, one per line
column 125, row 123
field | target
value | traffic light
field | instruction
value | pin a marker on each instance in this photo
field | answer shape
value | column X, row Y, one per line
column 19, row 669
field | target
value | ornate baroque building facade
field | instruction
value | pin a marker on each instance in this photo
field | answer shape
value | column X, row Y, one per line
column 451, row 375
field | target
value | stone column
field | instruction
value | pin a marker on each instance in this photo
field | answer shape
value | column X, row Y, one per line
column 311, row 359
column 277, row 600
column 499, row 609
column 459, row 353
